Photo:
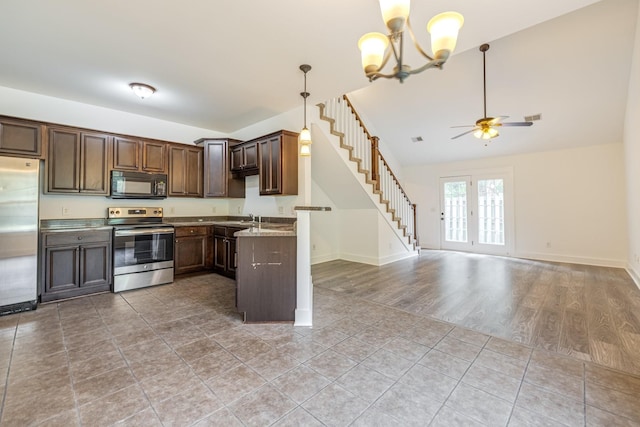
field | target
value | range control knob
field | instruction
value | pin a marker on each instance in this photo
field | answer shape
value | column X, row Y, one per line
column 117, row 212
column 110, row 212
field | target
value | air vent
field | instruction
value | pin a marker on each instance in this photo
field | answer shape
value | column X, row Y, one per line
column 416, row 139
column 533, row 117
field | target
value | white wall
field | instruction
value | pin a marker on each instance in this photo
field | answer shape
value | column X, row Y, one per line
column 44, row 108
column 632, row 157
column 325, row 232
column 574, row 199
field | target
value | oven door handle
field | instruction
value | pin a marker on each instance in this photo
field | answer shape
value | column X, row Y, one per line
column 137, row 232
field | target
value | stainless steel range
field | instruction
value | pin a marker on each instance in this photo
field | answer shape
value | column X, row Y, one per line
column 142, row 248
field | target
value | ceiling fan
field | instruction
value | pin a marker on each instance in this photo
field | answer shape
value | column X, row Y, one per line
column 486, row 127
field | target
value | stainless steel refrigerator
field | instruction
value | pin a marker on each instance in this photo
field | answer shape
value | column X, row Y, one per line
column 19, row 179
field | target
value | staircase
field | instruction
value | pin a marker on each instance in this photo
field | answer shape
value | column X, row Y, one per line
column 346, row 124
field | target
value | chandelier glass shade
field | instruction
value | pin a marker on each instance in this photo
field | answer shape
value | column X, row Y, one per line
column 376, row 48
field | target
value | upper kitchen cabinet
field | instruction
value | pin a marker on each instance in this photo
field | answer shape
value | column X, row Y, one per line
column 77, row 161
column 185, row 170
column 278, row 163
column 139, row 155
column 20, row 138
column 244, row 159
column 218, row 181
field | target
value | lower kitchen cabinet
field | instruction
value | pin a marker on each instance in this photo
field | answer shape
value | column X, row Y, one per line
column 224, row 250
column 192, row 249
column 75, row 263
column 266, row 278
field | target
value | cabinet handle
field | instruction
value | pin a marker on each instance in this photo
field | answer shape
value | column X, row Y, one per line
column 235, row 260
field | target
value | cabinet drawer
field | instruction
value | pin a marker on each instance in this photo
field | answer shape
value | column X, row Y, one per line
column 192, row 231
column 75, row 237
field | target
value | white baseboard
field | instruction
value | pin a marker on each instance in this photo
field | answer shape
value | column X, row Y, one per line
column 572, row 259
column 304, row 317
column 324, row 258
column 634, row 275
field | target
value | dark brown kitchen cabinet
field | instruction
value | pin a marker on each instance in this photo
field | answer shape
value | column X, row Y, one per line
column 224, row 250
column 21, row 138
column 278, row 163
column 244, row 159
column 193, row 249
column 185, row 170
column 139, row 155
column 75, row 263
column 266, row 278
column 218, row 180
column 77, row 162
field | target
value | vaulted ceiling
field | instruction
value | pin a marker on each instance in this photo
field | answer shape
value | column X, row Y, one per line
column 227, row 64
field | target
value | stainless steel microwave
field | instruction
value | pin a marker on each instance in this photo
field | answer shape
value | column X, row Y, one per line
column 138, row 185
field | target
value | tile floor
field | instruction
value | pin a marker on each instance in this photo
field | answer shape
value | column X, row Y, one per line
column 178, row 355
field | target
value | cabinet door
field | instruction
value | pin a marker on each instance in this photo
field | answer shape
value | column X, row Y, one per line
column 219, row 253
column 94, row 170
column 237, row 159
column 63, row 174
column 190, row 254
column 61, row 270
column 95, row 266
column 20, row 138
column 185, row 171
column 215, row 160
column 154, row 157
column 126, row 154
column 232, row 256
column 194, row 172
column 270, row 164
column 250, row 156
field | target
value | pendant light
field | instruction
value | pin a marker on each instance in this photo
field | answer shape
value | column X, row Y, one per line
column 305, row 135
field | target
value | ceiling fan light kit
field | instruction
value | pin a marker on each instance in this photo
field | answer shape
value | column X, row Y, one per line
column 375, row 51
column 485, row 128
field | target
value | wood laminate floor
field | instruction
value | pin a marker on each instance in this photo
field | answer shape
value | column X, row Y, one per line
column 591, row 313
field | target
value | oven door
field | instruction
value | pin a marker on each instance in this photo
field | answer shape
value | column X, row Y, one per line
column 139, row 249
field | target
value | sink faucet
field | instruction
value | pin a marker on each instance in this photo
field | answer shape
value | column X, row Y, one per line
column 251, row 216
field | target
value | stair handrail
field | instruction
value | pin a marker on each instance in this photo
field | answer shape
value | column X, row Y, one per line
column 375, row 172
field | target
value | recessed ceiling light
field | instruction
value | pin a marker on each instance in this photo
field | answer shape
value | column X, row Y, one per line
column 416, row 139
column 142, row 90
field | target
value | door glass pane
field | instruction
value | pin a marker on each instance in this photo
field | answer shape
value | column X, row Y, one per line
column 491, row 211
column 455, row 211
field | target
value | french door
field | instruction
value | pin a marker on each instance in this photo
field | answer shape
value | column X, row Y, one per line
column 476, row 214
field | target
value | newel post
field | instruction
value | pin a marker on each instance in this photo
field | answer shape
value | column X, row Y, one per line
column 415, row 223
column 375, row 164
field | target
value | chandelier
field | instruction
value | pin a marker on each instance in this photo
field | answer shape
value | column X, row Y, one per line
column 443, row 28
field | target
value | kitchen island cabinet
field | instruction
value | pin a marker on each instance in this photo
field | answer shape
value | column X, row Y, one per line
column 266, row 276
column 75, row 263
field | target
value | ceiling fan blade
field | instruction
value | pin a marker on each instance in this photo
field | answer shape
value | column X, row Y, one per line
column 464, row 126
column 497, row 119
column 464, row 133
column 517, row 124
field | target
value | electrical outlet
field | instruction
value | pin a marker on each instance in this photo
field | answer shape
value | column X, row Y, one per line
column 280, row 209
column 313, row 247
column 548, row 244
column 172, row 210
column 238, row 209
column 65, row 210
column 213, row 209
